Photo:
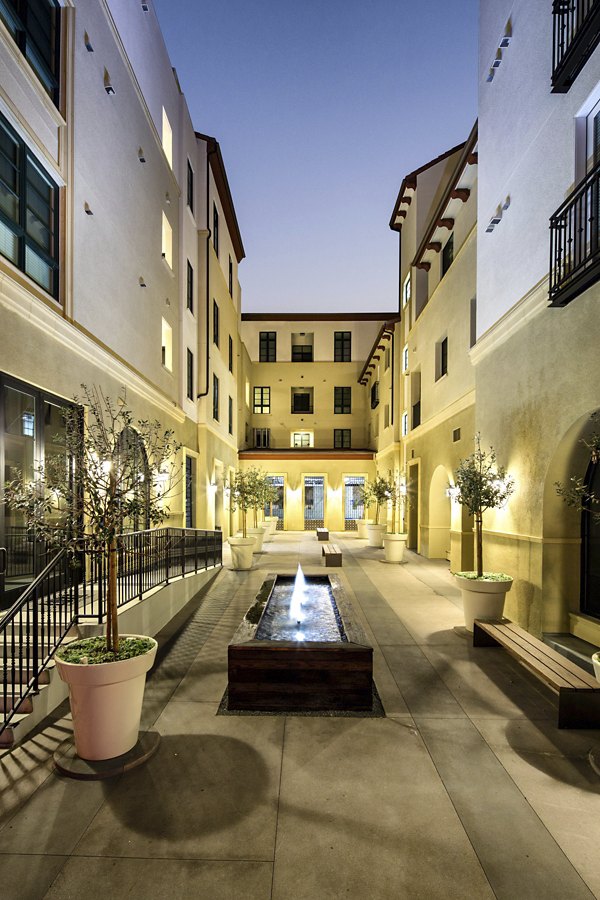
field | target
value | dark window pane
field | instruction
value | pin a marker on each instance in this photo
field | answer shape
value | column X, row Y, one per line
column 342, row 346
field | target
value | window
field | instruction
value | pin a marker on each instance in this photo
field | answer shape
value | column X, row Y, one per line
column 302, row 400
column 190, row 186
column 230, row 354
column 447, row 254
column 302, row 347
column 190, row 287
column 301, row 439
column 190, row 375
column 190, row 490
column 215, row 234
column 262, row 438
column 267, row 350
column 167, row 241
column 406, row 291
column 35, row 28
column 404, row 424
column 416, row 414
column 262, row 400
column 342, row 400
column 167, row 345
column 215, row 398
column 230, row 414
column 230, row 277
column 441, row 358
column 473, row 322
column 386, row 415
column 387, row 358
column 342, row 438
column 405, row 358
column 167, row 137
column 375, row 395
column 215, row 323
column 342, row 346
column 28, row 212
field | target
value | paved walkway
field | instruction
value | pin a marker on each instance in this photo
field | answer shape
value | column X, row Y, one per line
column 465, row 790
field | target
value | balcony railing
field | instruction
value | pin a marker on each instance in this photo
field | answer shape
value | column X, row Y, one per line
column 576, row 34
column 574, row 243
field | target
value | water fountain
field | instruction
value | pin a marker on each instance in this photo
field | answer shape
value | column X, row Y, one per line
column 300, row 647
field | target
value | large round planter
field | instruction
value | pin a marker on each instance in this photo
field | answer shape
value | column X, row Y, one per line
column 259, row 535
column 482, row 599
column 106, row 703
column 596, row 663
column 375, row 535
column 394, row 545
column 241, row 552
column 271, row 525
column 362, row 528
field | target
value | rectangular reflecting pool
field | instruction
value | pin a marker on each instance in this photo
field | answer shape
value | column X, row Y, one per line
column 299, row 647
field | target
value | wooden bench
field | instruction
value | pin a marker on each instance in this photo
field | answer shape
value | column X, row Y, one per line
column 332, row 555
column 578, row 692
column 322, row 534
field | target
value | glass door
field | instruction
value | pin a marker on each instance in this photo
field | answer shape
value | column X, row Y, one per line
column 314, row 502
column 353, row 506
column 277, row 507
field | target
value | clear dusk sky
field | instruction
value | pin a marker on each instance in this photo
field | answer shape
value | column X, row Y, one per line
column 321, row 107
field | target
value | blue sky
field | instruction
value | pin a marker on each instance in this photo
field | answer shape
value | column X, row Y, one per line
column 321, row 107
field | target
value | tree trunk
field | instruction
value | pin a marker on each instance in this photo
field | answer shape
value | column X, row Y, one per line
column 112, row 625
column 479, row 543
column 244, row 529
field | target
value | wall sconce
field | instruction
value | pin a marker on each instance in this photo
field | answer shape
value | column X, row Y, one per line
column 107, row 83
column 145, row 6
column 142, row 282
column 87, row 210
column 87, row 42
column 168, row 199
column 507, row 36
column 141, row 156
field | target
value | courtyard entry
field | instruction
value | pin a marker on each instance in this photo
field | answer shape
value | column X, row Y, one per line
column 314, row 502
column 277, row 507
column 354, row 508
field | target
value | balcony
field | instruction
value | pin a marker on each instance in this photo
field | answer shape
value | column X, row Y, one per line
column 576, row 27
column 375, row 395
column 574, row 242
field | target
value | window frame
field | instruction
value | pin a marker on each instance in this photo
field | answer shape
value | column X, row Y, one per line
column 342, row 438
column 230, row 414
column 215, row 233
column 230, row 277
column 230, row 360
column 215, row 398
column 262, row 405
column 447, row 255
column 189, row 289
column 406, row 290
column 342, row 346
column 190, row 187
column 189, row 374
column 267, row 346
column 216, row 323
column 47, row 70
column 342, row 400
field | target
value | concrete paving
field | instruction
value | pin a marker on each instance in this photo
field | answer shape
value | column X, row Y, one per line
column 466, row 789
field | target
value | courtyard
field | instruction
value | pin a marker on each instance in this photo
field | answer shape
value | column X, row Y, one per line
column 464, row 789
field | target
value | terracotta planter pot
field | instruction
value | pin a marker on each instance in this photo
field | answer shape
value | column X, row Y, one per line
column 482, row 599
column 362, row 528
column 375, row 535
column 241, row 552
column 106, row 703
column 394, row 545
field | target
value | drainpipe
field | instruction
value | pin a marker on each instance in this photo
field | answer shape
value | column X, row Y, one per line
column 209, row 153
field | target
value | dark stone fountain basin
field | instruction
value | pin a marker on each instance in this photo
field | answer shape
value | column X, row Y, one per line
column 276, row 664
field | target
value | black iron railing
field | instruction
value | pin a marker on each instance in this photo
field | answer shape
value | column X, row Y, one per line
column 574, row 244
column 72, row 589
column 576, row 32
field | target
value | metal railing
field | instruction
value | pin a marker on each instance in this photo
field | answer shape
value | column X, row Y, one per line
column 576, row 31
column 574, row 241
column 73, row 589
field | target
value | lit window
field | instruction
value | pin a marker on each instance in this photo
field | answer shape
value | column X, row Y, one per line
column 262, row 400
column 167, row 137
column 302, row 439
column 167, row 346
column 406, row 290
column 167, row 241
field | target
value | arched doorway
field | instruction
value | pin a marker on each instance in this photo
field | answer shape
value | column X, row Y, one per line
column 439, row 516
column 590, row 546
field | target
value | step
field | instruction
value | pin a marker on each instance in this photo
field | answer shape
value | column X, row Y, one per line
column 24, row 674
column 573, row 648
column 24, row 706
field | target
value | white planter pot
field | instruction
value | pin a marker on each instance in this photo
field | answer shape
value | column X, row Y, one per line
column 393, row 545
column 482, row 599
column 362, row 528
column 106, row 703
column 271, row 521
column 375, row 535
column 241, row 552
column 259, row 535
column 596, row 662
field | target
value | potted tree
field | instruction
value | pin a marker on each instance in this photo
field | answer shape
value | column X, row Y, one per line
column 480, row 484
column 258, row 530
column 363, row 498
column 579, row 495
column 110, row 472
column 380, row 494
column 394, row 540
column 242, row 547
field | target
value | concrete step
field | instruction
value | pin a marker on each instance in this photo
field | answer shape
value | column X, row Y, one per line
column 12, row 701
column 24, row 674
column 9, row 735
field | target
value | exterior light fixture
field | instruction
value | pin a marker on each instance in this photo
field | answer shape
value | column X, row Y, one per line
column 107, row 83
column 498, row 60
column 145, row 6
column 87, row 42
column 87, row 210
column 141, row 156
column 142, row 282
column 490, row 76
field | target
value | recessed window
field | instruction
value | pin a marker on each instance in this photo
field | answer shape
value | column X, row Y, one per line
column 406, row 291
column 230, row 415
column 262, row 438
column 167, row 137
column 230, row 353
column 167, row 241
column 190, row 375
column 190, row 186
column 342, row 346
column 302, row 347
column 441, row 358
column 342, row 438
column 267, row 346
column 302, row 400
column 405, row 358
column 167, row 345
column 215, row 323
column 404, row 424
column 35, row 28
column 28, row 212
column 447, row 254
column 230, row 279
column 190, row 287
column 342, row 400
column 262, row 400
column 215, row 234
column 215, row 398
column 302, row 439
